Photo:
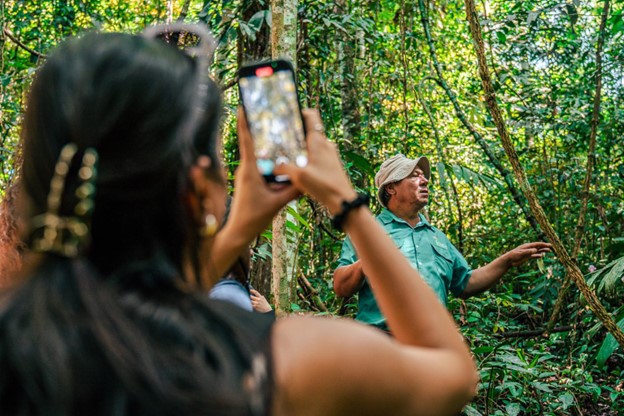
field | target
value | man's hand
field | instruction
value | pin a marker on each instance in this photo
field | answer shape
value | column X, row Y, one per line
column 523, row 253
column 485, row 277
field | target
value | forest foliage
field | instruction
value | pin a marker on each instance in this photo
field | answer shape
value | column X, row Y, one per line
column 402, row 76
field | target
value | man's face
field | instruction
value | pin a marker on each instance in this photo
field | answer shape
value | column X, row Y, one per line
column 411, row 192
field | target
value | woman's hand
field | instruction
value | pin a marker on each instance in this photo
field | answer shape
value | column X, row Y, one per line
column 254, row 204
column 324, row 178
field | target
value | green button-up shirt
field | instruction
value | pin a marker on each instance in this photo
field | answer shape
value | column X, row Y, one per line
column 428, row 250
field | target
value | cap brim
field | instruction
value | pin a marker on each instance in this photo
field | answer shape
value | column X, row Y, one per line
column 425, row 166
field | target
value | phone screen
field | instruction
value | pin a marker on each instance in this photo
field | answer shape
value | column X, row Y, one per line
column 269, row 96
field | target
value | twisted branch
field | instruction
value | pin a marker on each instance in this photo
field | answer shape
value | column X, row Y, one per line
column 15, row 40
column 568, row 262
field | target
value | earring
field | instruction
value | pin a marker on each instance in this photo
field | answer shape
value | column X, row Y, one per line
column 210, row 226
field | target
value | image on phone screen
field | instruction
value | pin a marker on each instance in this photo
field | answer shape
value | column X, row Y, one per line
column 272, row 111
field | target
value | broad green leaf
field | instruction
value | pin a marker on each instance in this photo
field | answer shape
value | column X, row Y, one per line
column 471, row 411
column 540, row 265
column 513, row 409
column 441, row 174
column 608, row 347
column 614, row 276
column 542, row 386
column 257, row 19
column 360, row 162
column 566, row 400
column 296, row 215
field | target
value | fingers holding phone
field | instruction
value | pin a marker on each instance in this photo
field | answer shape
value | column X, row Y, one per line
column 323, row 178
column 286, row 141
column 268, row 92
column 255, row 202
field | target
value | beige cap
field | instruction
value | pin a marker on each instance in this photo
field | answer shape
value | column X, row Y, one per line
column 397, row 168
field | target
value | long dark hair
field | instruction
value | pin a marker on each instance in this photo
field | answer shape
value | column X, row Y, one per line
column 110, row 331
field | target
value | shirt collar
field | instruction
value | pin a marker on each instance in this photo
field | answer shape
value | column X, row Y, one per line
column 386, row 217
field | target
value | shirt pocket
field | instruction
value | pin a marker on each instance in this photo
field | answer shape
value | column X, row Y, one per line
column 443, row 260
column 402, row 239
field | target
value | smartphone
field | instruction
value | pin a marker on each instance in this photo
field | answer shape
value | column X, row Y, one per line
column 268, row 91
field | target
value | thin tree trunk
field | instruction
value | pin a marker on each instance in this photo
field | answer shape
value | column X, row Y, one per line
column 351, row 118
column 504, row 172
column 350, row 101
column 184, row 11
column 403, row 59
column 568, row 262
column 283, row 44
column 249, row 50
column 169, row 17
column 591, row 160
column 441, row 158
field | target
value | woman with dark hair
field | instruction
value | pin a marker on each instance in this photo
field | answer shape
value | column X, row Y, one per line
column 121, row 194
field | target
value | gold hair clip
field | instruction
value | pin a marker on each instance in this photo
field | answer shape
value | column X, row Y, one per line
column 67, row 235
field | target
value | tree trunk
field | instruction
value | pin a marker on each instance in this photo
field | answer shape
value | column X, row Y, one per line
column 568, row 262
column 346, row 46
column 351, row 120
column 283, row 45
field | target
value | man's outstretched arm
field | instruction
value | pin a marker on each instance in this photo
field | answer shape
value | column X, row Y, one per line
column 487, row 276
column 348, row 279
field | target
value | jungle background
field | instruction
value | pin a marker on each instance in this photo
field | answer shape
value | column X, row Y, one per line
column 407, row 76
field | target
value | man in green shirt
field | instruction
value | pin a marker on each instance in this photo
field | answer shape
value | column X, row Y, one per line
column 403, row 191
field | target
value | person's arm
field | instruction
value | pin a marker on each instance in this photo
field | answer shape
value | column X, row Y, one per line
column 487, row 276
column 245, row 224
column 425, row 369
column 348, row 279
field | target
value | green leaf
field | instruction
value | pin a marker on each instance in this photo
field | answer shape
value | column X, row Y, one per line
column 360, row 162
column 293, row 227
column 502, row 38
column 247, row 30
column 542, row 386
column 513, row 409
column 471, row 411
column 472, row 177
column 263, row 252
column 566, row 400
column 300, row 220
column 608, row 347
column 257, row 19
column 613, row 277
column 441, row 174
column 268, row 17
column 531, row 17
column 540, row 265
